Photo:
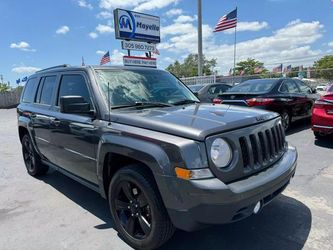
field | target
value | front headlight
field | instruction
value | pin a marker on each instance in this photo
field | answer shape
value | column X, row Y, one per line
column 221, row 153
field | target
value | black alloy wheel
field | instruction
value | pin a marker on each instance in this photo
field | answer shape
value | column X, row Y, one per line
column 286, row 119
column 137, row 208
column 31, row 159
column 133, row 210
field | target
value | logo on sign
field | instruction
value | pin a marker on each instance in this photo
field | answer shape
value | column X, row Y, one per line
column 127, row 23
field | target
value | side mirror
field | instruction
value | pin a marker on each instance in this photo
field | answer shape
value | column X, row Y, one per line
column 74, row 105
column 314, row 91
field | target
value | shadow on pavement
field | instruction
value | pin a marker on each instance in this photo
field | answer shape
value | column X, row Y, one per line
column 81, row 195
column 283, row 224
column 299, row 126
column 326, row 142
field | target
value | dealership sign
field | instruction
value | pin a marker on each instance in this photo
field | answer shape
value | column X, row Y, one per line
column 140, row 46
column 130, row 25
column 139, row 61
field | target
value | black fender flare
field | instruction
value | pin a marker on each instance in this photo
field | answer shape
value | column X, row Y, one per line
column 140, row 150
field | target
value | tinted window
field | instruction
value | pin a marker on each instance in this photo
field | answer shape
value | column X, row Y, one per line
column 289, row 86
column 29, row 90
column 74, row 85
column 254, row 86
column 303, row 87
column 47, row 90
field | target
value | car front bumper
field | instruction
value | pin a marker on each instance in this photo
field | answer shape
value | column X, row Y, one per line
column 195, row 204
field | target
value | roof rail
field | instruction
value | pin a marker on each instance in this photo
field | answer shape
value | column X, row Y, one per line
column 54, row 67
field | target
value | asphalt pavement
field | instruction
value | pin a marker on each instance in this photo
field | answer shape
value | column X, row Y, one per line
column 55, row 212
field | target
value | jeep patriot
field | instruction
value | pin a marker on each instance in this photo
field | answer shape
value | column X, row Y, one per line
column 142, row 139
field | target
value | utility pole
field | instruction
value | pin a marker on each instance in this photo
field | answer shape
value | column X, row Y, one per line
column 200, row 57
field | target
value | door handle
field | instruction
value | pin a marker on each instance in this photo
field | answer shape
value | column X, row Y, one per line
column 55, row 122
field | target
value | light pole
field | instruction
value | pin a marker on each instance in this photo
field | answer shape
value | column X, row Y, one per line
column 199, row 39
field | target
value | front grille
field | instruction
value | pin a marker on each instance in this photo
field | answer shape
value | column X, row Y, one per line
column 260, row 149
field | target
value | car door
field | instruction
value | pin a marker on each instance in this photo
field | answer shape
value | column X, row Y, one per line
column 75, row 134
column 295, row 99
column 41, row 117
column 308, row 96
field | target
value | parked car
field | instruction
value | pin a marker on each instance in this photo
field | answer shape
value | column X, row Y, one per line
column 207, row 92
column 321, row 89
column 291, row 98
column 322, row 114
column 141, row 139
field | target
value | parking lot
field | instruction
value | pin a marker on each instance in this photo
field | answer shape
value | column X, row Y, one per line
column 55, row 212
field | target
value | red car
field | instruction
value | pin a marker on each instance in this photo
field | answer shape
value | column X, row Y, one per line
column 322, row 114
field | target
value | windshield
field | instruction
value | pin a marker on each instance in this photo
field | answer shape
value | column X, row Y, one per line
column 195, row 88
column 254, row 86
column 129, row 87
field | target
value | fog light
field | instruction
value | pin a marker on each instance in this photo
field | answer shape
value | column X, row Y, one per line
column 257, row 207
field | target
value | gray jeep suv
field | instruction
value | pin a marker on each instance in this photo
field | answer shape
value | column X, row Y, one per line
column 142, row 140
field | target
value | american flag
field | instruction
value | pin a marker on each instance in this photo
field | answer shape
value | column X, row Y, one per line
column 277, row 69
column 227, row 21
column 105, row 59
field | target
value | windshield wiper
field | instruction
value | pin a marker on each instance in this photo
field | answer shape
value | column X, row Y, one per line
column 142, row 104
column 186, row 101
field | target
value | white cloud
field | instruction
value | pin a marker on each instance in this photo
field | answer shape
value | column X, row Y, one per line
column 330, row 44
column 100, row 52
column 25, row 70
column 117, row 57
column 62, row 30
column 185, row 19
column 111, row 4
column 290, row 44
column 84, row 4
column 174, row 12
column 104, row 15
column 24, row 46
column 248, row 26
column 93, row 35
column 137, row 5
column 102, row 29
column 154, row 4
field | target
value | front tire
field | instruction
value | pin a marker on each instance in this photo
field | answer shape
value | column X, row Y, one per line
column 137, row 208
column 31, row 159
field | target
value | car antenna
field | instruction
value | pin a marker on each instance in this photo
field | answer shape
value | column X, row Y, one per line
column 109, row 103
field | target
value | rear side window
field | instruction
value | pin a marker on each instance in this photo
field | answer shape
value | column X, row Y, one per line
column 29, row 90
column 74, row 85
column 46, row 90
column 289, row 87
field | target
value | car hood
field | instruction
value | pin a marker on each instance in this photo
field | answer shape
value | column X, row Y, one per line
column 196, row 121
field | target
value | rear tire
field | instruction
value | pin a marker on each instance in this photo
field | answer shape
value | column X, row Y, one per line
column 318, row 135
column 137, row 208
column 286, row 120
column 32, row 161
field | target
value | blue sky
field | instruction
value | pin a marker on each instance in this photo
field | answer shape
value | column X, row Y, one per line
column 43, row 33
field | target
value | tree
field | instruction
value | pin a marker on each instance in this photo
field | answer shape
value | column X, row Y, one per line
column 324, row 67
column 4, row 87
column 248, row 67
column 190, row 66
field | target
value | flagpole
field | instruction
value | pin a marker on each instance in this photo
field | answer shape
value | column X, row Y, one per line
column 235, row 42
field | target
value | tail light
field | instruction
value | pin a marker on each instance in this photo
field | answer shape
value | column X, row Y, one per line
column 259, row 101
column 326, row 103
column 217, row 101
